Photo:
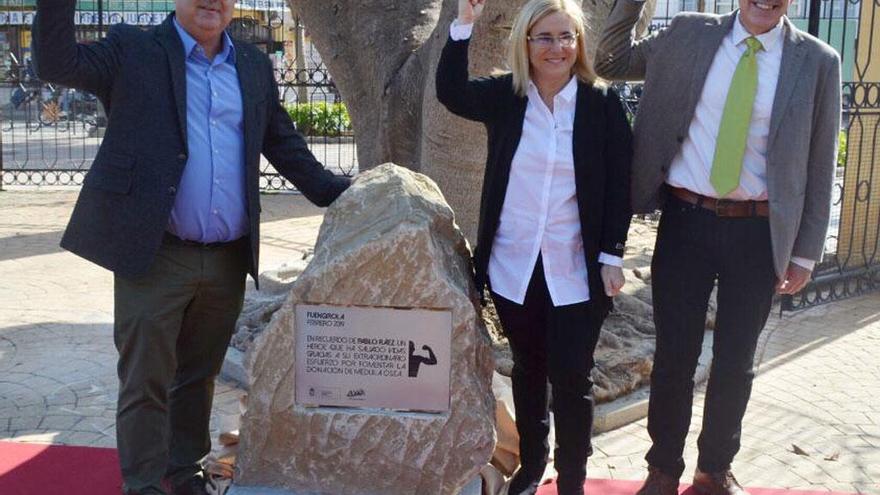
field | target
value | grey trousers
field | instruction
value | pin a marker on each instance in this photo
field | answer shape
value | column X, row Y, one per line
column 172, row 328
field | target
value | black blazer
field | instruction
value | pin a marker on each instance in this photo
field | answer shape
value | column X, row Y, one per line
column 140, row 77
column 602, row 149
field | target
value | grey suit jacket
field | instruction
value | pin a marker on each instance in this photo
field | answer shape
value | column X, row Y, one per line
column 804, row 125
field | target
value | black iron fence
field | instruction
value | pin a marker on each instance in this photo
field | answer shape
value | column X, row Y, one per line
column 851, row 263
column 49, row 134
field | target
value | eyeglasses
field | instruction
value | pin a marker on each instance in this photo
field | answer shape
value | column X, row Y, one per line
column 566, row 40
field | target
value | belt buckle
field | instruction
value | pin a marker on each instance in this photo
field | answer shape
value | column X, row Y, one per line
column 724, row 207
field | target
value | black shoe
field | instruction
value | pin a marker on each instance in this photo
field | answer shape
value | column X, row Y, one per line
column 524, row 482
column 148, row 491
column 192, row 486
column 569, row 487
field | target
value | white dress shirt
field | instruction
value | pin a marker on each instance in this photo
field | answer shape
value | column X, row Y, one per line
column 459, row 31
column 692, row 166
column 540, row 212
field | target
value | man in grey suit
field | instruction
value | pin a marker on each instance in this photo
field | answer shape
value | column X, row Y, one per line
column 171, row 205
column 736, row 140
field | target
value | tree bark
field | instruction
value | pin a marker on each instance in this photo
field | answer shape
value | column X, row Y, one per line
column 300, row 67
column 383, row 54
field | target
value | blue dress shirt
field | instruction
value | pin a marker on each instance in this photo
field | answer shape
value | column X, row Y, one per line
column 211, row 203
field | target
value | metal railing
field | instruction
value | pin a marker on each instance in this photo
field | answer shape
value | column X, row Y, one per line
column 49, row 135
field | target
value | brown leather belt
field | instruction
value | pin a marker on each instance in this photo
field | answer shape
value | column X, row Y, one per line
column 723, row 207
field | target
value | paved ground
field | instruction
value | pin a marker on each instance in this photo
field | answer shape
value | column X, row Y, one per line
column 57, row 361
column 816, row 393
column 817, row 388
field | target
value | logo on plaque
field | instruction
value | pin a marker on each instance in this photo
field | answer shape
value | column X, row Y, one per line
column 373, row 357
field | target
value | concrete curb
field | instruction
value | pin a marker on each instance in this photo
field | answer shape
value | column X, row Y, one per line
column 475, row 487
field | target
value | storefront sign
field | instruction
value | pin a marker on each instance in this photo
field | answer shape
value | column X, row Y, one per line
column 373, row 357
column 16, row 18
column 91, row 18
column 26, row 18
column 271, row 5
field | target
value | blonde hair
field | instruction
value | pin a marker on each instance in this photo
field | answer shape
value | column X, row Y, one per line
column 518, row 51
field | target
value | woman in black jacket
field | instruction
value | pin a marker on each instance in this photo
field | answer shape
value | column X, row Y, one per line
column 554, row 217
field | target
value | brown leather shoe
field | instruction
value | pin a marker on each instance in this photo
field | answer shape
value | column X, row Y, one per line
column 658, row 483
column 720, row 483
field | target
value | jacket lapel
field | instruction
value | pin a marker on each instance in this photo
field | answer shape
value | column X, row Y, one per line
column 709, row 43
column 516, row 119
column 588, row 125
column 498, row 176
column 588, row 134
column 248, row 80
column 790, row 67
column 170, row 40
column 249, row 83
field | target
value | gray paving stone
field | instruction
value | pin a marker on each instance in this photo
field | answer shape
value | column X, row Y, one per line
column 60, row 423
column 24, row 423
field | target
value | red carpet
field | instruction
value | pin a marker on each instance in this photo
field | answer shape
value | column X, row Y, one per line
column 614, row 487
column 36, row 469
column 32, row 469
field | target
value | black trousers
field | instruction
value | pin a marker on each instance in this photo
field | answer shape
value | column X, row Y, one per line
column 552, row 344
column 694, row 249
column 172, row 328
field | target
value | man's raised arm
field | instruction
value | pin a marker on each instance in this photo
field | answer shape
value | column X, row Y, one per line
column 618, row 56
column 58, row 58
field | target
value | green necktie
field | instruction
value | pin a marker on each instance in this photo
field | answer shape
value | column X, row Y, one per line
column 731, row 143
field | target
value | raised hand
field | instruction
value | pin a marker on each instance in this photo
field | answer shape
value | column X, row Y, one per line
column 470, row 10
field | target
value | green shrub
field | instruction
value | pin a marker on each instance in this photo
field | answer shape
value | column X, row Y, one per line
column 320, row 119
column 841, row 150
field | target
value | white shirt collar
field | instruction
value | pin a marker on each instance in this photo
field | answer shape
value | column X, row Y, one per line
column 768, row 40
column 567, row 94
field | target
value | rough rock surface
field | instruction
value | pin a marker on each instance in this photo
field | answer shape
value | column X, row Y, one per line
column 260, row 305
column 390, row 240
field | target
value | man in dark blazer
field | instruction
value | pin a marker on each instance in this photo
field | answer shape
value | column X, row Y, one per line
column 171, row 205
column 736, row 139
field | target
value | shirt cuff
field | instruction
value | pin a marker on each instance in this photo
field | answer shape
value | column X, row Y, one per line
column 610, row 260
column 803, row 262
column 460, row 32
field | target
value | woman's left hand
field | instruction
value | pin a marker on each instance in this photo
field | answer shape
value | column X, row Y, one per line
column 612, row 279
